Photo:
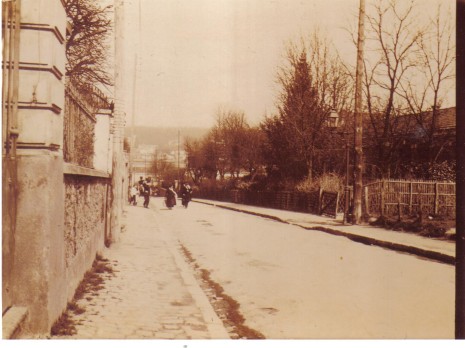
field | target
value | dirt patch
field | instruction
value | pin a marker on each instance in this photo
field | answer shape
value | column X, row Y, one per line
column 224, row 305
column 90, row 285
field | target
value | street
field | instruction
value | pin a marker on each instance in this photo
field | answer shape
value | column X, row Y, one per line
column 297, row 283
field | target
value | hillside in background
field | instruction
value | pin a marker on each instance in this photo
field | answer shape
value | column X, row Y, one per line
column 165, row 138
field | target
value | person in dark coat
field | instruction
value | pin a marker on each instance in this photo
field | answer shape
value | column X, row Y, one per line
column 141, row 186
column 146, row 193
column 170, row 197
column 186, row 194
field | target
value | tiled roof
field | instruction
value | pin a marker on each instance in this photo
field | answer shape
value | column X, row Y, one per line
column 446, row 118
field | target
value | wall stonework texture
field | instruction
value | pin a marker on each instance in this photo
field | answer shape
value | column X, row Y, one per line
column 85, row 210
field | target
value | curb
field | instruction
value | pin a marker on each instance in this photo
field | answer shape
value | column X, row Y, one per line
column 214, row 324
column 266, row 216
column 14, row 321
column 433, row 255
column 429, row 254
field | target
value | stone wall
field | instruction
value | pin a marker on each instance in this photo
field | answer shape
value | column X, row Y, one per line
column 85, row 223
column 34, row 255
column 37, row 273
column 58, row 215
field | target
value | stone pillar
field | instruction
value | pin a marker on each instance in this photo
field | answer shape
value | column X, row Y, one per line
column 38, row 270
column 103, row 141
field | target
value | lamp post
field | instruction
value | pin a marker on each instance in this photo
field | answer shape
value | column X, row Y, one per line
column 346, row 188
column 334, row 123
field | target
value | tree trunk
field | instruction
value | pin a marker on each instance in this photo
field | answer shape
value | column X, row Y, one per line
column 310, row 168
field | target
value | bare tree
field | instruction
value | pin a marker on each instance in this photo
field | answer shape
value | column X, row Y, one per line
column 86, row 43
column 230, row 147
column 425, row 92
column 195, row 161
column 230, row 133
column 164, row 169
column 253, row 151
column 392, row 47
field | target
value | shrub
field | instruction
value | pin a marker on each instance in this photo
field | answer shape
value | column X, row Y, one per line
column 435, row 228
column 327, row 182
column 444, row 171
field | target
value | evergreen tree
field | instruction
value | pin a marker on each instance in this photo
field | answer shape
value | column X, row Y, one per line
column 299, row 129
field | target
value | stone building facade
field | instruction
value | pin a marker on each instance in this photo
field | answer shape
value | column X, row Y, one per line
column 56, row 213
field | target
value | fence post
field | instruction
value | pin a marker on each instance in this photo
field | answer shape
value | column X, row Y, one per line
column 420, row 193
column 320, row 191
column 367, row 201
column 399, row 213
column 410, row 200
column 382, row 199
column 436, row 198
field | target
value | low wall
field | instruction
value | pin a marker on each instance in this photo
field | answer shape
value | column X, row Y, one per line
column 61, row 225
column 85, row 223
column 37, row 279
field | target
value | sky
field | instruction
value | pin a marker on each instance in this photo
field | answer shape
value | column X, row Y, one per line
column 187, row 58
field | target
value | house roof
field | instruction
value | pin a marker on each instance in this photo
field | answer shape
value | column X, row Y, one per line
column 417, row 124
column 447, row 118
column 409, row 125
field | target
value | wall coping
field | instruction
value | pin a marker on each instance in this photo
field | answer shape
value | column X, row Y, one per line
column 104, row 112
column 73, row 169
column 13, row 322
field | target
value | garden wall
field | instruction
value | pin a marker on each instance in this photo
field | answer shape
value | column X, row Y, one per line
column 86, row 223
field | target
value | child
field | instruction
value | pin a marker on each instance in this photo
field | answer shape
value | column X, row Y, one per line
column 133, row 193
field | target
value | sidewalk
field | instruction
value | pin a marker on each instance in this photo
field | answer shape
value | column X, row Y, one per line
column 435, row 249
column 153, row 293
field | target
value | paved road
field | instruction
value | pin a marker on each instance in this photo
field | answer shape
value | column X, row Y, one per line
column 152, row 292
column 295, row 283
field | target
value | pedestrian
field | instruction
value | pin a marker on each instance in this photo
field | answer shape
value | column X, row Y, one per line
column 141, row 186
column 170, row 197
column 146, row 194
column 186, row 194
column 133, row 193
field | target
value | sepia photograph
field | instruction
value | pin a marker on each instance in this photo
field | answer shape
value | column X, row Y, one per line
column 195, row 173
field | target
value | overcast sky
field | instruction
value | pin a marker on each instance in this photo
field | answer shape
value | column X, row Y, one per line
column 196, row 55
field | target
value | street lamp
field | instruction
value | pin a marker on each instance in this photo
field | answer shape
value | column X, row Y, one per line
column 333, row 119
column 334, row 122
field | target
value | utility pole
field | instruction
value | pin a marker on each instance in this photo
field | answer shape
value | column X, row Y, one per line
column 132, row 142
column 358, row 124
column 179, row 177
column 119, row 115
column 460, row 189
column 134, row 96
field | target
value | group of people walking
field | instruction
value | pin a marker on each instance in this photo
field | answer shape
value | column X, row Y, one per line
column 171, row 195
column 143, row 189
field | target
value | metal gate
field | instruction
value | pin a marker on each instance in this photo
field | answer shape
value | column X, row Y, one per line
column 329, row 203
